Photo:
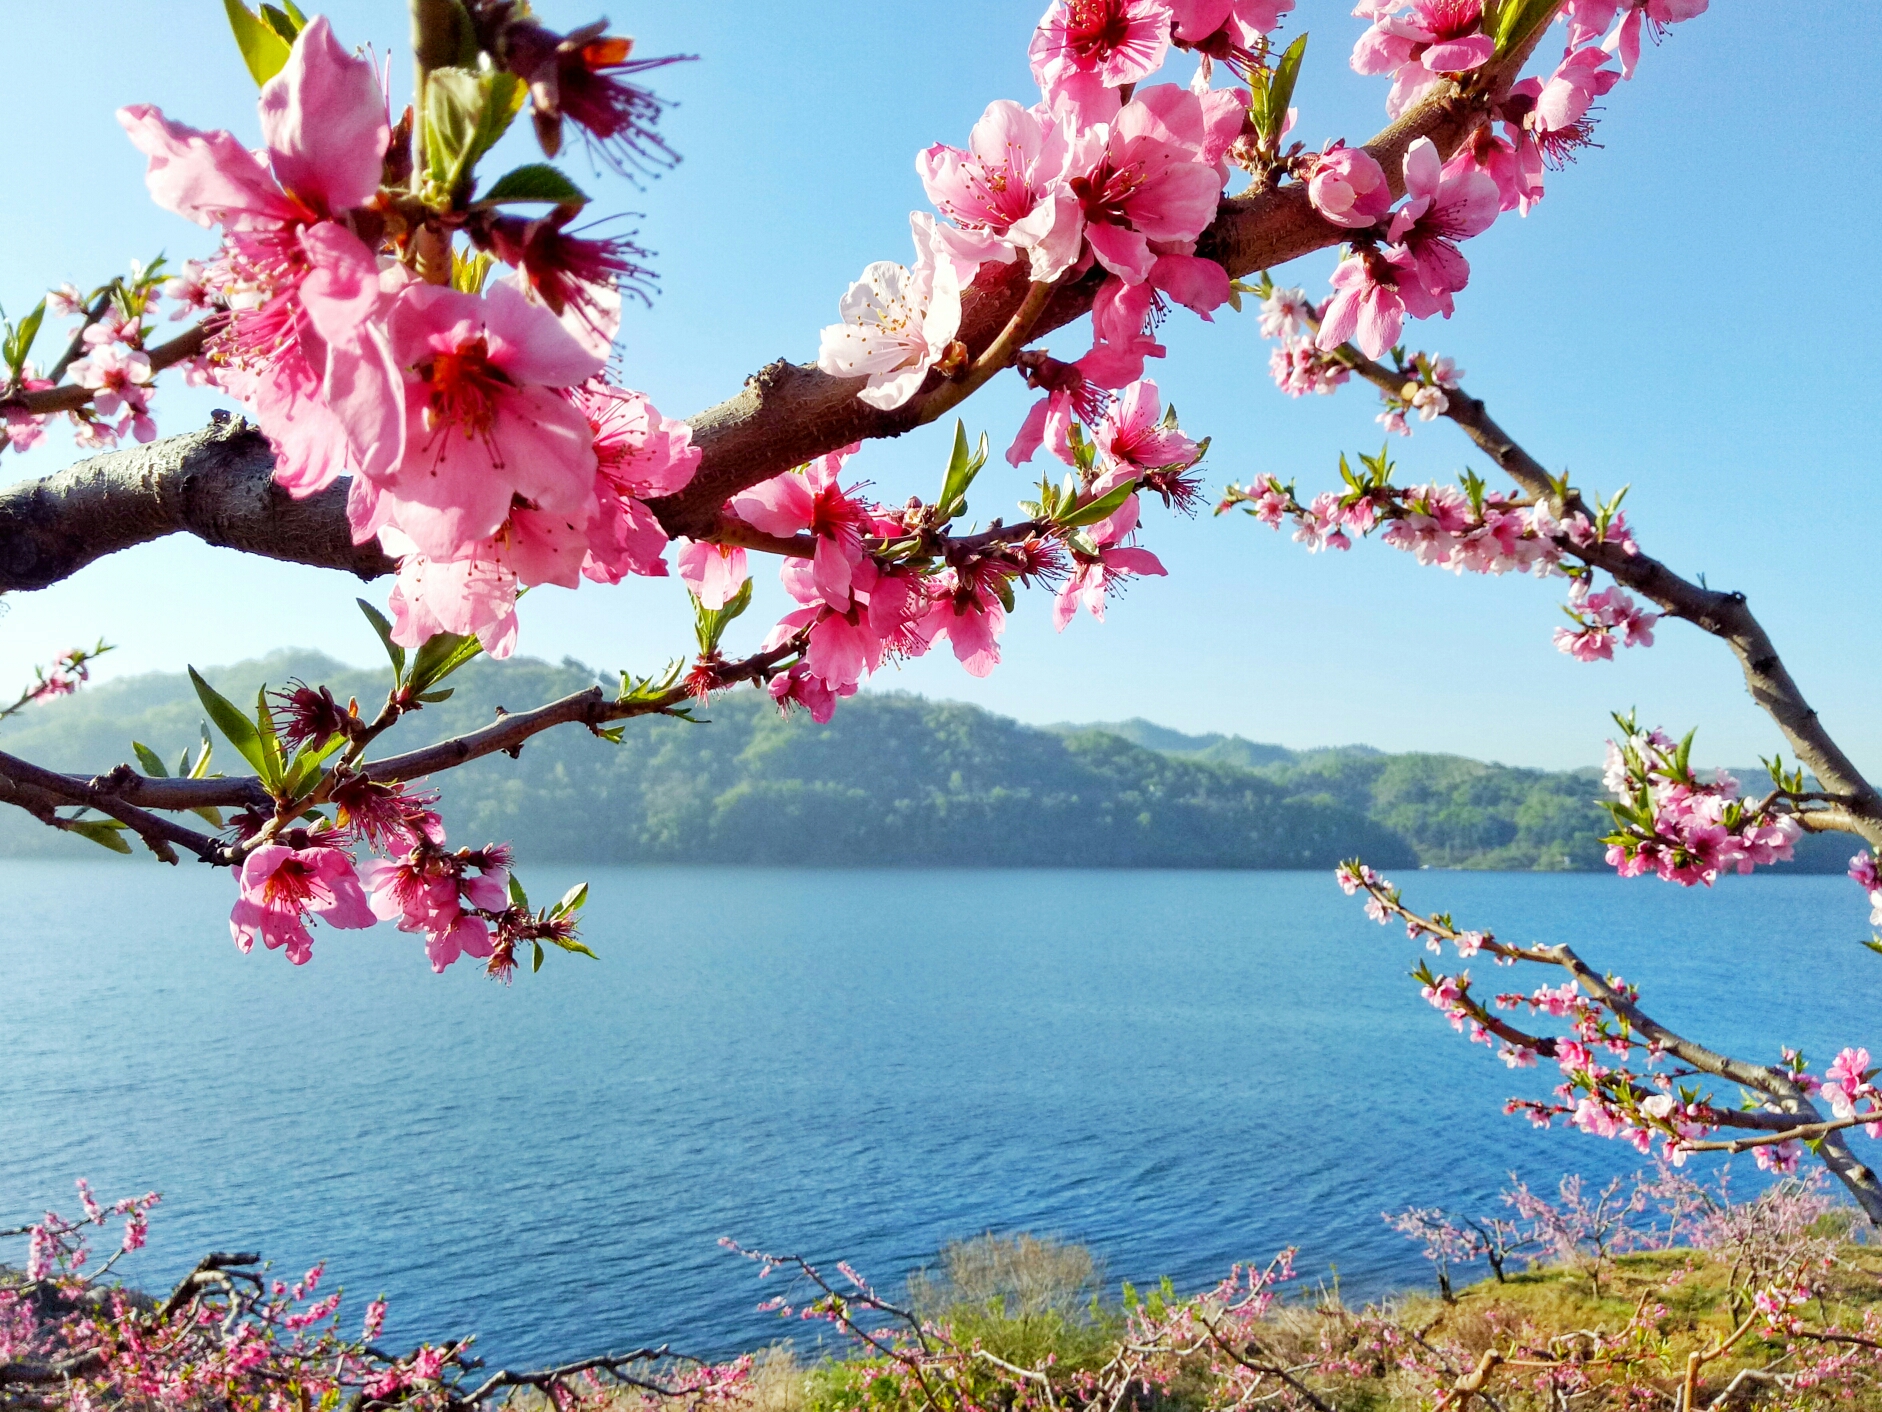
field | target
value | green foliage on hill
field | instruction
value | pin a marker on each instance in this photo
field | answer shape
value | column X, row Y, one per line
column 892, row 780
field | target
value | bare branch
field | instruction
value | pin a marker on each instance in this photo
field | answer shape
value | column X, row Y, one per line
column 216, row 484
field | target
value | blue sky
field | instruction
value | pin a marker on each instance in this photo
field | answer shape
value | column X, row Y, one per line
column 1687, row 312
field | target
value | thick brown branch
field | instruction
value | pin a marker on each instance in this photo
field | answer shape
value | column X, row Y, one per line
column 785, row 415
column 216, row 484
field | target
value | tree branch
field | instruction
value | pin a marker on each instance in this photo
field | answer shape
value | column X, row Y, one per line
column 786, row 414
column 1726, row 616
column 216, row 484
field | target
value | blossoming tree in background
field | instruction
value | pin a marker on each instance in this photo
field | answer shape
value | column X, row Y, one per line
column 421, row 347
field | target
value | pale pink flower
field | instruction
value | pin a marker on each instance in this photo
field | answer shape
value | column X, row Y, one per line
column 1348, row 187
column 1563, row 103
column 472, row 597
column 281, row 886
column 1085, row 50
column 896, row 324
column 713, row 573
column 1224, row 29
column 1374, row 291
column 1006, row 192
column 65, row 302
column 639, row 455
column 1095, row 578
column 1285, row 312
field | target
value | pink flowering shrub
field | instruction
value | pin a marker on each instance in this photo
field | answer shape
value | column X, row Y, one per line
column 229, row 1335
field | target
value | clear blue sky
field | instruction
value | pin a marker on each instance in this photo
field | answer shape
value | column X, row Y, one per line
column 1689, row 311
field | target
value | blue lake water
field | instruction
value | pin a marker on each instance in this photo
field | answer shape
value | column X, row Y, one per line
column 1179, row 1069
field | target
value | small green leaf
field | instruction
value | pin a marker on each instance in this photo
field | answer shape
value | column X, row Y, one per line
column 536, row 181
column 237, row 728
column 270, row 741
column 709, row 624
column 465, row 113
column 442, row 654
column 19, row 344
column 569, row 943
column 518, row 898
column 306, row 763
column 263, row 50
column 432, row 698
column 469, row 270
column 536, row 962
column 1093, row 511
column 1516, row 20
column 107, row 833
column 148, row 758
column 963, row 466
column 282, row 23
column 294, row 13
column 1272, row 93
column 383, row 627
column 572, row 901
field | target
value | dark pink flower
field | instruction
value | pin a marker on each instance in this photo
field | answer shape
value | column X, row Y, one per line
column 1147, row 175
column 1442, row 208
column 809, row 498
column 1085, row 50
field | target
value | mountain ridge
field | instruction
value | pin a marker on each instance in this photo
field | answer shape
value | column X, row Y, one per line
column 893, row 779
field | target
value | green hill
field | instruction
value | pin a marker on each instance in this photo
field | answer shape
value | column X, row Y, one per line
column 893, row 780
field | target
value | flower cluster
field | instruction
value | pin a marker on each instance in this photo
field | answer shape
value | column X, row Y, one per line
column 1601, row 618
column 1687, row 830
column 1866, row 874
column 230, row 1336
column 486, row 451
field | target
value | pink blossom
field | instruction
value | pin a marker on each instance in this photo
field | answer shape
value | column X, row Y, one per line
column 1578, row 80
column 472, row 597
column 966, row 610
column 305, row 336
column 281, row 886
column 1006, row 192
column 118, row 378
column 1374, row 292
column 809, row 499
column 639, row 455
column 1440, row 209
column 486, row 424
column 1147, row 175
column 712, row 573
column 1085, row 50
column 1095, row 577
column 1070, row 396
column 1132, row 436
column 1436, row 38
column 1348, row 187
column 1225, row 29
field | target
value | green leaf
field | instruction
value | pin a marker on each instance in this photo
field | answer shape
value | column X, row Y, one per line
column 963, row 466
column 567, row 943
column 709, row 624
column 442, row 654
column 383, row 627
column 237, row 728
column 432, row 698
column 536, row 963
column 148, row 758
column 1092, row 512
column 1516, row 20
column 469, row 270
column 282, row 23
column 107, row 833
column 536, row 181
column 263, row 50
column 19, row 343
column 270, row 741
column 518, row 898
column 572, row 901
column 1273, row 93
column 465, row 113
column 294, row 13
column 306, row 764
column 200, row 770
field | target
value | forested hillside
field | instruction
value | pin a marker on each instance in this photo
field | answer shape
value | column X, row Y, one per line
column 893, row 779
